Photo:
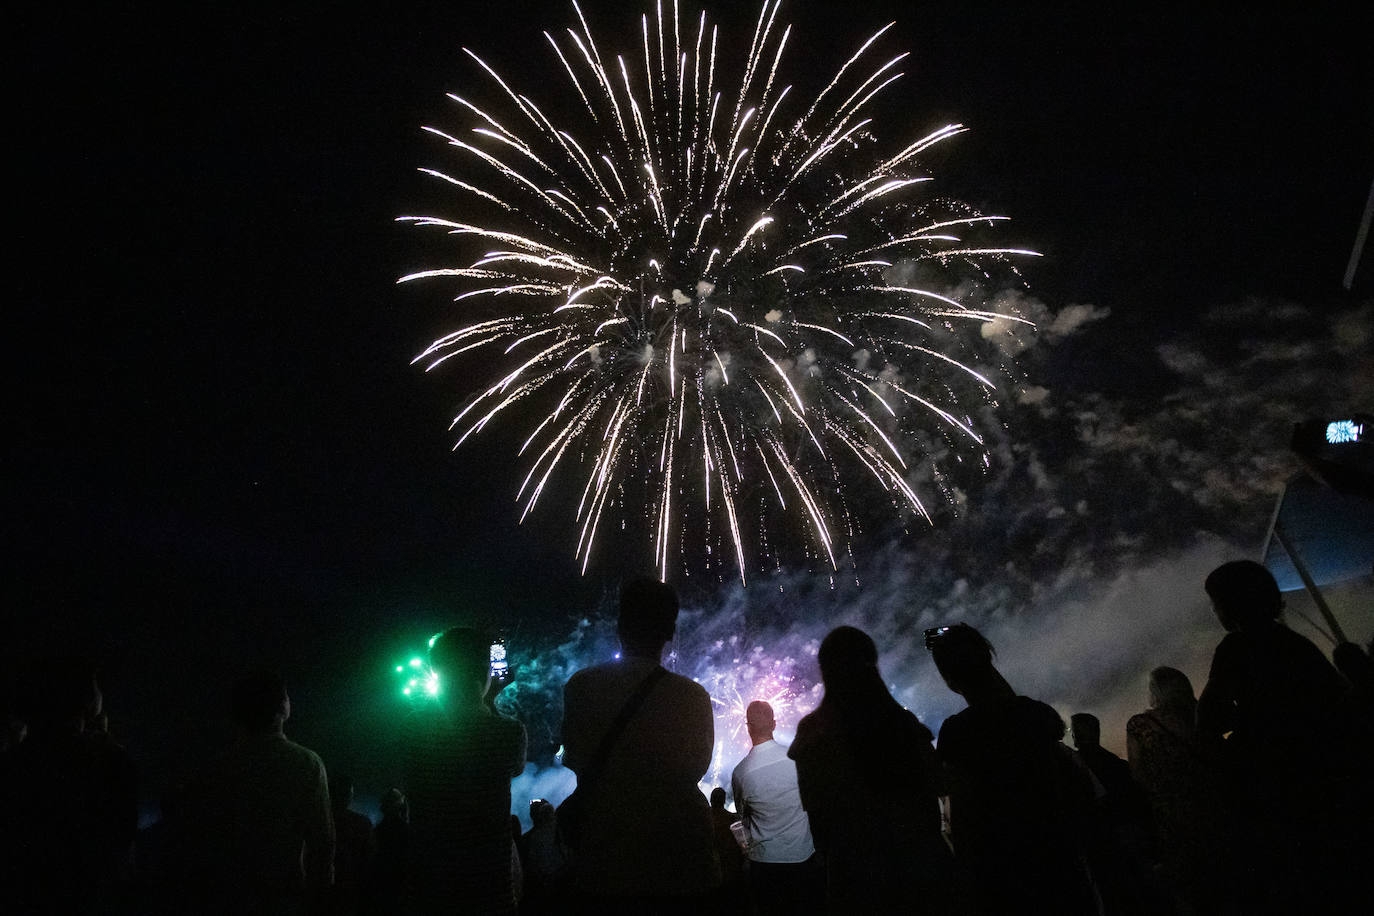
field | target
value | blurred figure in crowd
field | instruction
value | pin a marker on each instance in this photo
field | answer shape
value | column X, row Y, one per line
column 460, row 758
column 882, row 849
column 1020, row 810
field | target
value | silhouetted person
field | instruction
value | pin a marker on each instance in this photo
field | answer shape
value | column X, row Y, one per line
column 1122, row 853
column 785, row 877
column 460, row 759
column 869, row 782
column 1187, row 796
column 13, row 728
column 1358, row 669
column 646, row 845
column 1274, row 706
column 14, row 731
column 258, row 819
column 545, row 860
column 392, row 841
column 68, row 803
column 1019, row 808
column 354, row 849
column 732, row 896
column 1111, row 771
column 517, row 863
column 119, row 775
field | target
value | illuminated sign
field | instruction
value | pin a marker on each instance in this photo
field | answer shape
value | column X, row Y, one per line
column 1340, row 432
column 1339, row 453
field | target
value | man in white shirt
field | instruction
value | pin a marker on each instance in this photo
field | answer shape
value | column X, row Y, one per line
column 784, row 877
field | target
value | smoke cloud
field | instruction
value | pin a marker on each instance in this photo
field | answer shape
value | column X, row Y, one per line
column 1080, row 553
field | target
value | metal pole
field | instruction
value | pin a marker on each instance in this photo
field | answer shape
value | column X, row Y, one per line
column 1361, row 235
column 1306, row 577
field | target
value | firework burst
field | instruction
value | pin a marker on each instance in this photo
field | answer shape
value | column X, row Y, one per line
column 700, row 297
column 740, row 679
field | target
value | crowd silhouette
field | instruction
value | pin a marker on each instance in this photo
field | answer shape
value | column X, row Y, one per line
column 1253, row 796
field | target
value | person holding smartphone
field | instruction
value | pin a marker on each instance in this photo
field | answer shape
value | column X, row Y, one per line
column 460, row 756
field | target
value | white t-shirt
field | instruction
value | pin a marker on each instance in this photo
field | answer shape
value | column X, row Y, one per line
column 765, row 788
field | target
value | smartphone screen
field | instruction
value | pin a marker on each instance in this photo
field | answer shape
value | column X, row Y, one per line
column 499, row 668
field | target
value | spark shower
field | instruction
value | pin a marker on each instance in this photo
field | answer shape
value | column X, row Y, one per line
column 716, row 312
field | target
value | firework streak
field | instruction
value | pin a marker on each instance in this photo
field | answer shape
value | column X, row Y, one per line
column 700, row 302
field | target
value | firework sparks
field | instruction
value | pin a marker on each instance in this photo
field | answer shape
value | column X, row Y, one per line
column 733, row 689
column 702, row 301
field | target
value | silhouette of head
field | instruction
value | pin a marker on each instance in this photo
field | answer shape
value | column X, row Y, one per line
column 963, row 656
column 541, row 812
column 394, row 805
column 1170, row 689
column 1244, row 595
column 718, row 798
column 340, row 790
column 758, row 718
column 461, row 656
column 648, row 616
column 846, row 655
column 848, row 661
column 1087, row 730
column 15, row 731
column 172, row 801
column 259, row 702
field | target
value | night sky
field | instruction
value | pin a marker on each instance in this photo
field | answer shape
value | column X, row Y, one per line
column 221, row 455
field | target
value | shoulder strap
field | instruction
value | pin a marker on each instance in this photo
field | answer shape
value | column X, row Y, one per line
column 627, row 713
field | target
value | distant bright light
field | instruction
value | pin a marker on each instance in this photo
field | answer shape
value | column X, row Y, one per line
column 1340, row 432
column 418, row 681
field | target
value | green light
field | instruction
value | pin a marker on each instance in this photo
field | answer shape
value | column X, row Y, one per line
column 434, row 639
column 417, row 681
